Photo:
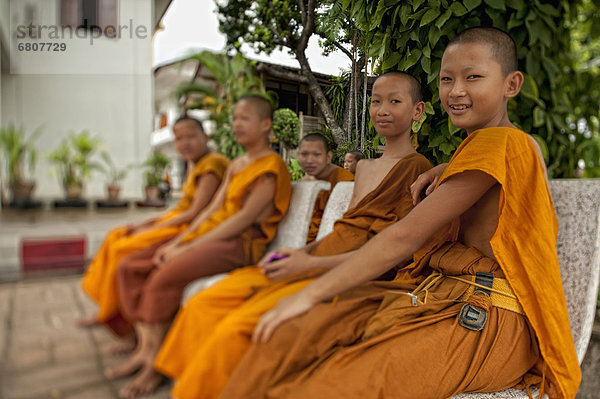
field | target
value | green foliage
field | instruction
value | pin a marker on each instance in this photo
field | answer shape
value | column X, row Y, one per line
column 236, row 77
column 286, row 126
column 113, row 174
column 337, row 93
column 559, row 100
column 18, row 150
column 73, row 158
column 296, row 171
column 156, row 164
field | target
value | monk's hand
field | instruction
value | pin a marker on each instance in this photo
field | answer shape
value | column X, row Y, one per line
column 287, row 308
column 296, row 260
column 164, row 253
column 426, row 182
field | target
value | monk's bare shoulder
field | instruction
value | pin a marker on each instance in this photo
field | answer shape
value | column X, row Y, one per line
column 238, row 164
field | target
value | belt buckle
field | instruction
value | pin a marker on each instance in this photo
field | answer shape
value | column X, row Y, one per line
column 474, row 317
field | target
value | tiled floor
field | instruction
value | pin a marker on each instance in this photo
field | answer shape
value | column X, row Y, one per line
column 43, row 353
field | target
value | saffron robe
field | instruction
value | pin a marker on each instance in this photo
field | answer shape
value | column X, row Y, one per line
column 375, row 343
column 99, row 281
column 212, row 332
column 151, row 294
column 337, row 174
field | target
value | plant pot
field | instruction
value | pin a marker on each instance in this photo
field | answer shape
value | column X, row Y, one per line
column 113, row 191
column 22, row 191
column 152, row 193
column 74, row 191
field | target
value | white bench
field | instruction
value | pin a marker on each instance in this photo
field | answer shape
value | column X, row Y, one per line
column 292, row 230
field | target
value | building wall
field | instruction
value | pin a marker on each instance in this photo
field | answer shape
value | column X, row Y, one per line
column 116, row 107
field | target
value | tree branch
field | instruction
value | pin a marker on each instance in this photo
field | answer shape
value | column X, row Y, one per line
column 281, row 74
column 336, row 44
column 308, row 24
column 302, row 12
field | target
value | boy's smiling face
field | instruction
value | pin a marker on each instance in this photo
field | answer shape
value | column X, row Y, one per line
column 392, row 108
column 473, row 88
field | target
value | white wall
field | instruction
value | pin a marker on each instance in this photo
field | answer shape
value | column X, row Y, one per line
column 116, row 106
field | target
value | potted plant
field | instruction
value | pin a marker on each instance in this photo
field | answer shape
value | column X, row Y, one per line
column 155, row 165
column 114, row 176
column 18, row 151
column 73, row 159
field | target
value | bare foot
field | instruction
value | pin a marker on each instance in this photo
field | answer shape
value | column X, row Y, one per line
column 146, row 382
column 130, row 366
column 123, row 347
column 87, row 322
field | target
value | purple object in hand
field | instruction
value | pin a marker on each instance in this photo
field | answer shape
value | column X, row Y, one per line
column 275, row 256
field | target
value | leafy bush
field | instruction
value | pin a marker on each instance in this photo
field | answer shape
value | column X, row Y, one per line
column 559, row 100
column 286, row 127
column 295, row 169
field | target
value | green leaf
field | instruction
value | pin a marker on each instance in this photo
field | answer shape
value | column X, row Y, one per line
column 434, row 36
column 547, row 9
column 404, row 13
column 412, row 58
column 471, row 4
column 391, row 60
column 538, row 117
column 458, row 9
column 426, row 65
column 515, row 4
column 497, row 4
column 429, row 108
column 513, row 22
column 429, row 16
column 417, row 4
column 345, row 4
column 442, row 20
column 543, row 146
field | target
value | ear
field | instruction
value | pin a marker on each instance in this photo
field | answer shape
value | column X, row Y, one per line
column 513, row 83
column 267, row 123
column 329, row 156
column 418, row 109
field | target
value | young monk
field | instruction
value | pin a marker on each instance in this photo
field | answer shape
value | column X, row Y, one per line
column 212, row 332
column 205, row 171
column 351, row 160
column 491, row 314
column 232, row 231
column 314, row 157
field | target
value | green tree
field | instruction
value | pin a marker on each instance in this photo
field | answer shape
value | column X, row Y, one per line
column 559, row 101
column 236, row 77
column 267, row 25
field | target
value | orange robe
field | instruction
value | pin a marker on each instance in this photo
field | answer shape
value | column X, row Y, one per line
column 153, row 294
column 376, row 343
column 212, row 332
column 99, row 281
column 336, row 175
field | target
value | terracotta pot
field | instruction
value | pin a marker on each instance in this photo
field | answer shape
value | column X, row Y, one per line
column 113, row 192
column 22, row 191
column 74, row 191
column 152, row 193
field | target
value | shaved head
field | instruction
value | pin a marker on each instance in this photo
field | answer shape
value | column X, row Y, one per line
column 261, row 104
column 317, row 137
column 415, row 85
column 503, row 47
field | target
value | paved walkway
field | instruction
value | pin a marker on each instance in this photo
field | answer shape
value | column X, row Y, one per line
column 43, row 353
